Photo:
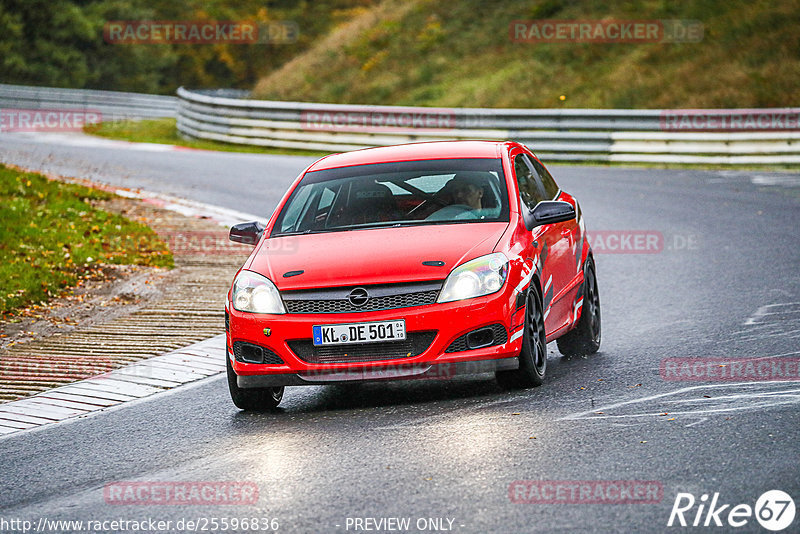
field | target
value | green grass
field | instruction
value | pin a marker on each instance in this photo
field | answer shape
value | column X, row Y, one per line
column 164, row 131
column 429, row 53
column 51, row 235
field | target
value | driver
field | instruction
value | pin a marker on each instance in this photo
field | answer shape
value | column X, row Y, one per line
column 463, row 196
column 468, row 194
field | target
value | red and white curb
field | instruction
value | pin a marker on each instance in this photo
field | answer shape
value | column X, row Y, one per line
column 136, row 381
column 189, row 208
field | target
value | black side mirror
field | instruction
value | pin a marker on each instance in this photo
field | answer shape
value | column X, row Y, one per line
column 549, row 212
column 248, row 233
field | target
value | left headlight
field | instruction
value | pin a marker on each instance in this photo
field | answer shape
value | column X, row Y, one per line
column 256, row 294
column 476, row 278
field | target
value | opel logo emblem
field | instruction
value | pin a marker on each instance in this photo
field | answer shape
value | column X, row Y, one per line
column 358, row 296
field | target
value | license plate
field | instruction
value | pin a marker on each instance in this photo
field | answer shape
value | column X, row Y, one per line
column 341, row 334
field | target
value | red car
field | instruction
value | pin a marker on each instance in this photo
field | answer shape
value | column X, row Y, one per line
column 411, row 261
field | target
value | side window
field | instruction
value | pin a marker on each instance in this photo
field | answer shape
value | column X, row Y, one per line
column 297, row 206
column 550, row 186
column 527, row 181
column 326, row 199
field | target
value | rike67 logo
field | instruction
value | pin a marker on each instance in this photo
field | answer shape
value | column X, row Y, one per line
column 774, row 510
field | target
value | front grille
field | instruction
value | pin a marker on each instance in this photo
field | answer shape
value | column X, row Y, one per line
column 498, row 331
column 415, row 344
column 381, row 297
column 250, row 353
column 373, row 304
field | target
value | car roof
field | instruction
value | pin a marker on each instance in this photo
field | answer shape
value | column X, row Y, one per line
column 411, row 152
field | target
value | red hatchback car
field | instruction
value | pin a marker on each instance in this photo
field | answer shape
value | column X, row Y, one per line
column 411, row 261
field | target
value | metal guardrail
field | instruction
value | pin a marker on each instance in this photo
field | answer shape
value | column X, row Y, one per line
column 112, row 105
column 554, row 134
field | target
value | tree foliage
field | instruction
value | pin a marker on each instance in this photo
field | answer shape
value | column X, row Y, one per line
column 60, row 42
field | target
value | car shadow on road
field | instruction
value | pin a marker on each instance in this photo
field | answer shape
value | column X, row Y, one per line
column 403, row 392
column 365, row 395
column 408, row 395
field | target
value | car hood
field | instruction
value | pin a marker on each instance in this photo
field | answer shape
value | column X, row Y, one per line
column 372, row 256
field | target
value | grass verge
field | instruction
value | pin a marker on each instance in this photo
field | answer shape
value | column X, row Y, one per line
column 463, row 54
column 163, row 131
column 52, row 234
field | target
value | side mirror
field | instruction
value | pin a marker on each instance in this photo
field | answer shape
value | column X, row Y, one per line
column 248, row 233
column 549, row 212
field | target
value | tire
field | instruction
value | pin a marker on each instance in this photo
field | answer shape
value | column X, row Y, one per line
column 533, row 355
column 252, row 399
column 584, row 339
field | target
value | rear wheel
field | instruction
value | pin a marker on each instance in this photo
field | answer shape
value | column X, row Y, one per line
column 252, row 399
column 533, row 356
column 585, row 337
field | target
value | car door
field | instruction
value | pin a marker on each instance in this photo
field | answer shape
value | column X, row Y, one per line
column 565, row 253
column 546, row 238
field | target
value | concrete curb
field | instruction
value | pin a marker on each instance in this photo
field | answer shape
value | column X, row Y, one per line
column 136, row 381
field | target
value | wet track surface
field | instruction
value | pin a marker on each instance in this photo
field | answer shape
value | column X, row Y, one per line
column 724, row 285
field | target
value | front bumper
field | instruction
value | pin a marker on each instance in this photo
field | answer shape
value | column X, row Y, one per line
column 450, row 322
column 439, row 371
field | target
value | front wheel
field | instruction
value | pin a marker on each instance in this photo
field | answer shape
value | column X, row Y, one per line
column 533, row 356
column 584, row 339
column 252, row 399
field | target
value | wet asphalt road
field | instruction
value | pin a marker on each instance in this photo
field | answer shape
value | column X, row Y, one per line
column 725, row 285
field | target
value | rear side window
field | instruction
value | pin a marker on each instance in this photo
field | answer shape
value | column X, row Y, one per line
column 550, row 187
column 527, row 181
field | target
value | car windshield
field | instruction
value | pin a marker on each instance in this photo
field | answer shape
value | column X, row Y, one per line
column 396, row 194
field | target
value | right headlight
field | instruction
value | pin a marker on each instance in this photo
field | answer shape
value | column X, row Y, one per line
column 256, row 294
column 475, row 278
